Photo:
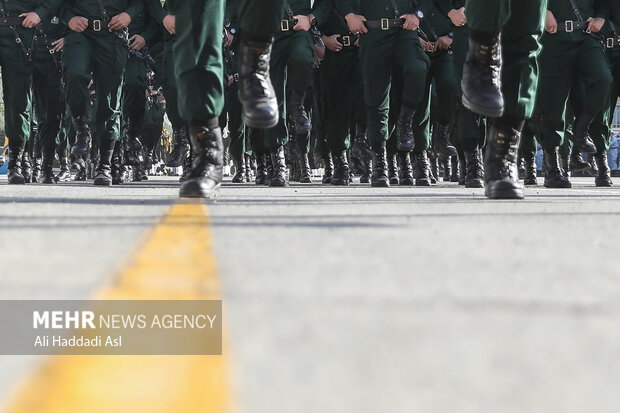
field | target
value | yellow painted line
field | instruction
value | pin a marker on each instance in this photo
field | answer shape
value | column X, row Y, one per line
column 175, row 263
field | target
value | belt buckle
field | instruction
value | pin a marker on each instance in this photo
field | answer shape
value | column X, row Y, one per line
column 610, row 42
column 385, row 24
column 96, row 25
column 285, row 26
column 346, row 40
column 569, row 26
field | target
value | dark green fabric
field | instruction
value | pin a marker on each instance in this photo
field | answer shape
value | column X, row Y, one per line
column 170, row 86
column 445, row 89
column 260, row 18
column 134, row 87
column 90, row 8
column 198, row 58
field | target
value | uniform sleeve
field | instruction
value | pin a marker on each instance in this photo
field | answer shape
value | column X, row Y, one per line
column 48, row 9
column 134, row 8
column 155, row 10
column 323, row 10
column 444, row 5
column 345, row 7
column 152, row 31
column 66, row 11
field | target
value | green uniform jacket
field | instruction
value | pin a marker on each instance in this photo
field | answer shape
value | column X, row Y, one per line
column 374, row 9
column 435, row 18
column 44, row 9
column 90, row 8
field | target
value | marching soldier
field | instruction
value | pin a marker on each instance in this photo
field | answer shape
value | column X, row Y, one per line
column 503, row 89
column 93, row 46
column 18, row 20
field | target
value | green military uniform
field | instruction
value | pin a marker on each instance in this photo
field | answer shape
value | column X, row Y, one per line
column 15, row 61
column 260, row 19
column 566, row 55
column 291, row 65
column 382, row 52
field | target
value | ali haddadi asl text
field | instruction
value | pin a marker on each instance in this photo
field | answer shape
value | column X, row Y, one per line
column 78, row 341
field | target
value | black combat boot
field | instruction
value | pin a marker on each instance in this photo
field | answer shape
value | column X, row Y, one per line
column 581, row 137
column 278, row 162
column 64, row 175
column 261, row 169
column 239, row 177
column 421, row 169
column 565, row 164
column 455, row 170
column 134, row 152
column 404, row 129
column 481, row 82
column 474, row 176
column 441, row 140
column 577, row 164
column 256, row 93
column 205, row 178
column 379, row 177
column 80, row 167
column 47, row 164
column 269, row 172
column 187, row 168
column 103, row 173
column 462, row 171
column 366, row 171
column 447, row 169
column 119, row 171
column 26, row 167
column 604, row 174
column 393, row 169
column 304, row 169
column 180, row 148
column 247, row 160
column 301, row 122
column 554, row 176
column 16, row 154
column 434, row 167
column 36, row 169
column 501, row 173
column 341, row 169
column 329, row 169
column 405, row 175
column 529, row 162
column 81, row 147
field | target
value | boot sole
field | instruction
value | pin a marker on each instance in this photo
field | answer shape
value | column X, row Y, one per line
column 102, row 183
column 252, row 123
column 492, row 112
column 213, row 194
column 505, row 194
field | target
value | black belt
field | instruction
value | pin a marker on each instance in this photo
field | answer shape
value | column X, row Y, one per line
column 570, row 26
column 612, row 42
column 385, row 24
column 96, row 25
column 288, row 24
column 11, row 21
column 348, row 40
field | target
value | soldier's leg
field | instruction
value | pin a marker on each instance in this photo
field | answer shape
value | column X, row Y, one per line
column 276, row 137
column 299, row 73
column 16, row 80
column 421, row 130
column 199, row 70
column 259, row 22
column 520, row 35
column 236, row 128
column 527, row 152
column 49, row 107
column 134, row 103
column 446, row 92
column 180, row 154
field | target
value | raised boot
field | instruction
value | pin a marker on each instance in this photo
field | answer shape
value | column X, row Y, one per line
column 404, row 130
column 501, row 172
column 81, row 147
column 474, row 175
column 577, row 164
column 298, row 114
column 604, row 174
column 16, row 153
column 405, row 176
column 205, row 177
column 180, row 148
column 529, row 162
column 393, row 169
column 379, row 177
column 341, row 169
column 554, row 175
column 278, row 162
column 329, row 169
column 481, row 82
column 103, row 172
column 239, row 177
column 581, row 136
column 256, row 93
column 421, row 169
column 304, row 169
column 441, row 140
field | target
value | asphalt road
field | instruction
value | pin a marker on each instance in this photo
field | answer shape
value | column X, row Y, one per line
column 364, row 300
